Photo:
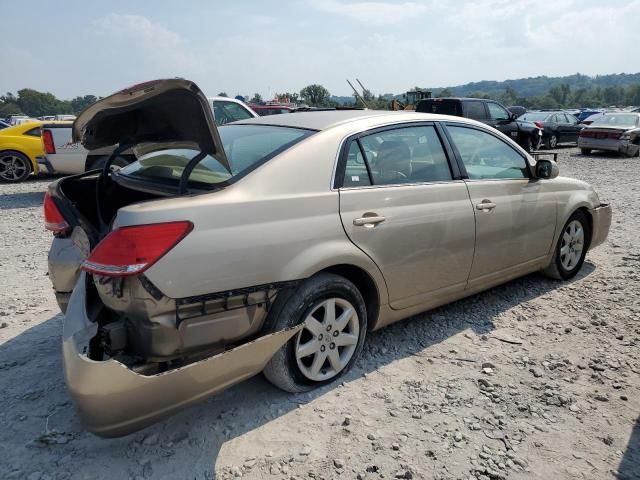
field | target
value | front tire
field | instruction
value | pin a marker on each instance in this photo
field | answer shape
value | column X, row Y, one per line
column 335, row 325
column 15, row 167
column 571, row 248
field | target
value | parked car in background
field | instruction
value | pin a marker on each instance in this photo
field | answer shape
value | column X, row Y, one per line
column 64, row 156
column 264, row 110
column 587, row 112
column 227, row 110
column 517, row 110
column 490, row 112
column 3, row 125
column 199, row 266
column 64, row 118
column 20, row 149
column 557, row 126
column 589, row 120
column 614, row 132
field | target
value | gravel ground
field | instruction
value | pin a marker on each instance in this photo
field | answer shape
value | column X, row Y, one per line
column 531, row 380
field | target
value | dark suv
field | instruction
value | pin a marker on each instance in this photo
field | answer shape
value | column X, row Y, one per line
column 526, row 134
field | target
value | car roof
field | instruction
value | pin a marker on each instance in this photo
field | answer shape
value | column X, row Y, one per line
column 326, row 119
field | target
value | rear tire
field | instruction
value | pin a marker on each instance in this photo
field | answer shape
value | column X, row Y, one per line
column 15, row 167
column 571, row 248
column 329, row 343
column 585, row 151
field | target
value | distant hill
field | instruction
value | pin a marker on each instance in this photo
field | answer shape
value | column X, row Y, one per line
column 532, row 86
column 527, row 87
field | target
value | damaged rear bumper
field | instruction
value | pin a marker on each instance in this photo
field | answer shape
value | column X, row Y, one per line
column 113, row 400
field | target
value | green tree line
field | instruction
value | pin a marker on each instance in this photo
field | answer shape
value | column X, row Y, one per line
column 36, row 104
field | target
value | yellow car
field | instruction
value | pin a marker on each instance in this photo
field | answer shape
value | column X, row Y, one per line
column 20, row 146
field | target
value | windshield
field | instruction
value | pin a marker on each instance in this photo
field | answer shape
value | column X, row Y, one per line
column 246, row 146
column 616, row 120
column 534, row 116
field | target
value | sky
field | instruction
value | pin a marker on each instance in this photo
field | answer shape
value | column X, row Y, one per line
column 71, row 48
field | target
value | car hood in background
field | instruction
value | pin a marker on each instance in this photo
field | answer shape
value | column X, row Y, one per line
column 161, row 111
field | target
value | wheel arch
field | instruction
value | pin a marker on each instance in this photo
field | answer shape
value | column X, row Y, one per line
column 33, row 163
column 365, row 284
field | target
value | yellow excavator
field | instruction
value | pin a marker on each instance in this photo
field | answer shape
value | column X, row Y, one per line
column 411, row 98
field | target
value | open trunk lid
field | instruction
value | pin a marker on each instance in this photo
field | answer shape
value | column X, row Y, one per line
column 170, row 111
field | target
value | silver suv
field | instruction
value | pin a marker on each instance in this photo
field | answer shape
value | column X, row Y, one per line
column 275, row 244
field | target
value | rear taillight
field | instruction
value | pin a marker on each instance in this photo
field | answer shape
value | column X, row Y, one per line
column 131, row 250
column 47, row 140
column 539, row 124
column 53, row 219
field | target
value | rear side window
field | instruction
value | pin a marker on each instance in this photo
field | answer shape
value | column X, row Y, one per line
column 34, row 132
column 397, row 156
column 227, row 112
column 487, row 157
column 475, row 110
column 442, row 107
column 246, row 146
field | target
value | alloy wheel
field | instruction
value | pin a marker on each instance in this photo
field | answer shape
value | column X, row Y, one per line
column 12, row 168
column 328, row 339
column 553, row 141
column 572, row 245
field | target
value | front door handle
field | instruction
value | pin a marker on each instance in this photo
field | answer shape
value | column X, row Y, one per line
column 368, row 221
column 486, row 205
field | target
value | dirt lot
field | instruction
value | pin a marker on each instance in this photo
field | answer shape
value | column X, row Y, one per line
column 531, row 380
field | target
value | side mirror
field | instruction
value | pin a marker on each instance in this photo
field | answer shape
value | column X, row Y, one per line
column 547, row 169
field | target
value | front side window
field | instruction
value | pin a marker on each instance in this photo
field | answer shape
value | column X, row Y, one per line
column 244, row 145
column 402, row 155
column 496, row 112
column 226, row 112
column 487, row 157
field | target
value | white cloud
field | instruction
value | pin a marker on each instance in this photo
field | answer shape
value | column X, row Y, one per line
column 372, row 13
column 143, row 42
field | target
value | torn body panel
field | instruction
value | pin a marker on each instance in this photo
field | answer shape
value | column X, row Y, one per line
column 113, row 400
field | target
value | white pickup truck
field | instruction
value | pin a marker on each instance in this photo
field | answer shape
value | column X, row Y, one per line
column 62, row 156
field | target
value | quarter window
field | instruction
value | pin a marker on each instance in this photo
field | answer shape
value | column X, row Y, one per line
column 403, row 155
column 34, row 132
column 487, row 157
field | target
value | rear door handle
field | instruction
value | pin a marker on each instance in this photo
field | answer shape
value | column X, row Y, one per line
column 486, row 205
column 366, row 221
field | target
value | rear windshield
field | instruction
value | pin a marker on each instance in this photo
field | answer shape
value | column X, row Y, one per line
column 617, row 120
column 246, row 147
column 534, row 116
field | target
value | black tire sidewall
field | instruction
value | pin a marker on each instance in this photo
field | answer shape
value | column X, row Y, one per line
column 564, row 273
column 24, row 160
column 549, row 146
column 299, row 304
